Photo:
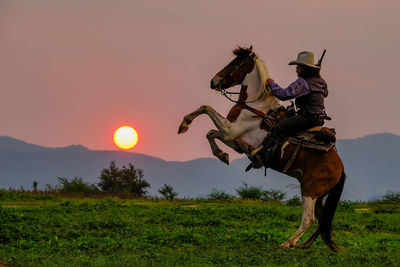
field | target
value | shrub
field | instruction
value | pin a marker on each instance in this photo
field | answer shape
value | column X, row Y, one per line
column 167, row 192
column 76, row 185
column 17, row 194
column 50, row 189
column 391, row 196
column 294, row 201
column 3, row 193
column 126, row 180
column 249, row 192
column 219, row 195
column 34, row 186
column 345, row 205
column 275, row 195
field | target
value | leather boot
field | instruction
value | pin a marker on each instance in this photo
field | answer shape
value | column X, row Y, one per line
column 269, row 152
column 264, row 157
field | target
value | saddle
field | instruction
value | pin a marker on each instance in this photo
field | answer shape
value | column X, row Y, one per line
column 317, row 138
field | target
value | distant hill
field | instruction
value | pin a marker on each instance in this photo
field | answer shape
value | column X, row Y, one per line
column 371, row 164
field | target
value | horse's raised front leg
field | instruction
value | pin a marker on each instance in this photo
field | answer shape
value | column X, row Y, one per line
column 236, row 145
column 228, row 132
column 307, row 219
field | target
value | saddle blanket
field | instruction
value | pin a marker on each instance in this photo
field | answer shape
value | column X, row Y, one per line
column 317, row 138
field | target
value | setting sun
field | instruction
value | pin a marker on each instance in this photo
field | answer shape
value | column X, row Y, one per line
column 125, row 137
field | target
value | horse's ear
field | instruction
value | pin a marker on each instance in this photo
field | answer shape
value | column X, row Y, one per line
column 251, row 48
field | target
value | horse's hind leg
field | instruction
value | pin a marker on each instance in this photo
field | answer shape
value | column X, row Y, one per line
column 238, row 146
column 307, row 219
column 319, row 206
column 211, row 135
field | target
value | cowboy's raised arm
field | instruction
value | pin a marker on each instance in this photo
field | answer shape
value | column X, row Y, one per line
column 295, row 89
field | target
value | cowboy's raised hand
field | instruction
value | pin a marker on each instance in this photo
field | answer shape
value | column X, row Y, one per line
column 269, row 80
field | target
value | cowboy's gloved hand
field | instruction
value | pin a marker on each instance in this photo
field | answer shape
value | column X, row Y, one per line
column 269, row 80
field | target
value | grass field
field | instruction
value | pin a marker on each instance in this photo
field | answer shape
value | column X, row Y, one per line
column 113, row 232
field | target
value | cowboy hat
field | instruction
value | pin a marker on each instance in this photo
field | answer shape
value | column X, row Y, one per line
column 305, row 58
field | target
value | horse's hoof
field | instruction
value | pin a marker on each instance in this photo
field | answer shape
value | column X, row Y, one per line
column 285, row 245
column 225, row 158
column 182, row 128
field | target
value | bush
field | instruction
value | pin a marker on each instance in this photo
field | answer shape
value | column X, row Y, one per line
column 275, row 195
column 219, row 195
column 128, row 180
column 50, row 189
column 346, row 205
column 3, row 192
column 249, row 192
column 17, row 194
column 76, row 186
column 167, row 192
column 392, row 196
column 294, row 201
column 34, row 186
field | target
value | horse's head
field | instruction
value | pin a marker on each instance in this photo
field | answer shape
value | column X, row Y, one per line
column 235, row 72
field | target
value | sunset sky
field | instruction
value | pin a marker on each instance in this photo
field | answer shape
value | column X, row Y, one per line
column 72, row 72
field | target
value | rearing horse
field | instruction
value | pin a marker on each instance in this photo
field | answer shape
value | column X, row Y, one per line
column 319, row 174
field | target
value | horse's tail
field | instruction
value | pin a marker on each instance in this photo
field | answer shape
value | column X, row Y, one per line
column 329, row 211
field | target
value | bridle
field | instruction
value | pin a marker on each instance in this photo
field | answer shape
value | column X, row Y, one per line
column 243, row 104
column 225, row 93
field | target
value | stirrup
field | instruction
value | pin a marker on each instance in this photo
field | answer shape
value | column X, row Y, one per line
column 255, row 151
column 248, row 168
column 255, row 163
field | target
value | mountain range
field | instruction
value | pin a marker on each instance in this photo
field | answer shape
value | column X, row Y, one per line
column 371, row 164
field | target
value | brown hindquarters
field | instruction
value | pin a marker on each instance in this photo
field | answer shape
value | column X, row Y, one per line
column 320, row 171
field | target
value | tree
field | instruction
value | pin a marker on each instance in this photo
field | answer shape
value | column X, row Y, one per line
column 126, row 180
column 168, row 192
column 34, row 185
column 392, row 196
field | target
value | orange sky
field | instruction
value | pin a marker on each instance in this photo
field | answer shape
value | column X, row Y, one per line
column 71, row 72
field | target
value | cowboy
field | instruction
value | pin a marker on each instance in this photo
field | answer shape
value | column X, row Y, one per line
column 309, row 91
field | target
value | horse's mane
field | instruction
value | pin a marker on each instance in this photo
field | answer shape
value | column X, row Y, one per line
column 264, row 75
column 262, row 69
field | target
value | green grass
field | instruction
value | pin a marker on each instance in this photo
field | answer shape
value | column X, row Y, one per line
column 114, row 232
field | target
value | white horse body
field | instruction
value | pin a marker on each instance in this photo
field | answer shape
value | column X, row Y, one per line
column 253, row 82
column 245, row 131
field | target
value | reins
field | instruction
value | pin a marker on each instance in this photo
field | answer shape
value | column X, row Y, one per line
column 243, row 104
column 224, row 93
